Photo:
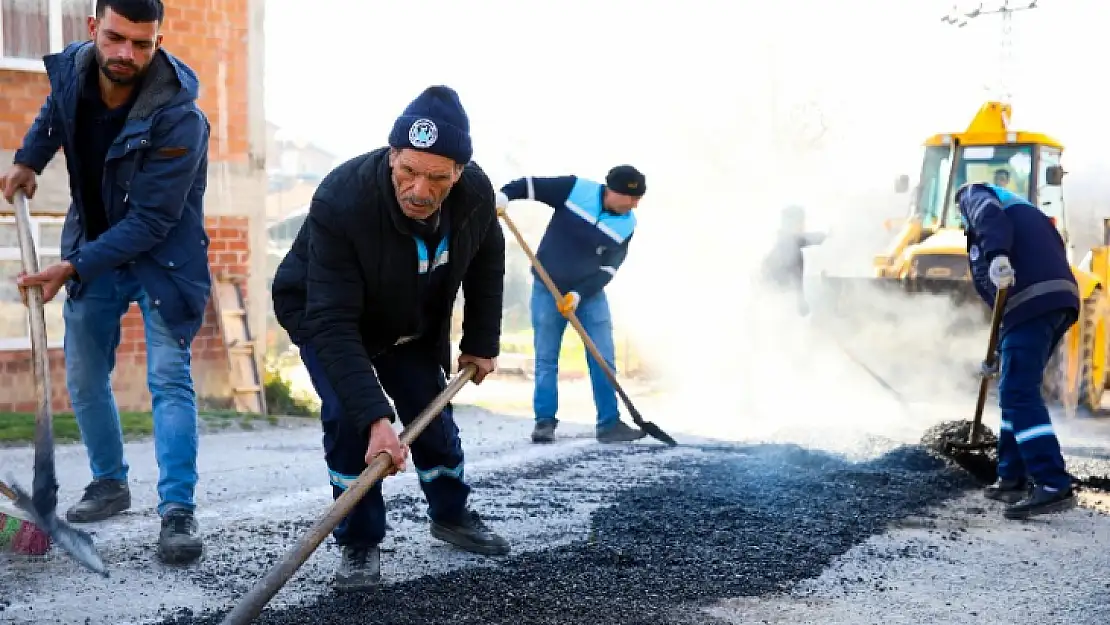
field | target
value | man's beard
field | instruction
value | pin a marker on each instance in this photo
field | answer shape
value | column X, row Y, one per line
column 123, row 80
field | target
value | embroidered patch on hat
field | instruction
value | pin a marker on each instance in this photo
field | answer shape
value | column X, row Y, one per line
column 633, row 185
column 423, row 133
column 973, row 253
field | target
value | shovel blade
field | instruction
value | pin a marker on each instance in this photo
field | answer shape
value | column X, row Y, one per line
column 650, row 428
column 657, row 433
column 77, row 543
column 980, row 446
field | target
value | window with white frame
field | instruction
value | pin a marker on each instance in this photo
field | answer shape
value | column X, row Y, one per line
column 15, row 329
column 31, row 29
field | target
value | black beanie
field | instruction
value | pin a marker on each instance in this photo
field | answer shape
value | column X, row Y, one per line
column 626, row 180
column 434, row 122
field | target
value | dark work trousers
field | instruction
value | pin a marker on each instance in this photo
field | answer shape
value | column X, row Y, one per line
column 1027, row 443
column 411, row 376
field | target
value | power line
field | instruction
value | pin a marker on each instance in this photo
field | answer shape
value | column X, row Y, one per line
column 1006, row 53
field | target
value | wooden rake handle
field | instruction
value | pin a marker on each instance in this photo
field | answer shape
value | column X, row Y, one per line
column 251, row 605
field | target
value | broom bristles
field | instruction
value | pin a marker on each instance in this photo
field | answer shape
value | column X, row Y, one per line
column 21, row 537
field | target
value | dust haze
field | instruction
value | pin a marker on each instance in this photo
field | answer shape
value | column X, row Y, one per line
column 753, row 122
column 778, row 127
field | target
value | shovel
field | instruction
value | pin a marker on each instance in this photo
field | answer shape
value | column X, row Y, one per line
column 973, row 443
column 41, row 504
column 250, row 606
column 653, row 430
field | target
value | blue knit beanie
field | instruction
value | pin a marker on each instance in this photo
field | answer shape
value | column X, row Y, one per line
column 434, row 122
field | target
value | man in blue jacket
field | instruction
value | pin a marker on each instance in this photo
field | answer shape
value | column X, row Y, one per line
column 1013, row 245
column 585, row 243
column 136, row 145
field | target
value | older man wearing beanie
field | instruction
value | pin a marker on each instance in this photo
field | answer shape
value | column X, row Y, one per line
column 586, row 241
column 366, row 293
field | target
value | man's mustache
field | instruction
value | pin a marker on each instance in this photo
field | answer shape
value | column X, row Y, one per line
column 418, row 201
column 121, row 64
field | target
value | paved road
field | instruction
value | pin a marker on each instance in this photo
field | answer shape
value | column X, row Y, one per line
column 776, row 497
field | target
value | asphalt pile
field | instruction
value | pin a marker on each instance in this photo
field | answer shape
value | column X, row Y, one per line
column 980, row 463
column 1088, row 470
column 740, row 521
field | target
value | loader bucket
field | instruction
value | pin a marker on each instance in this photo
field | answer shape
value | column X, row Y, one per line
column 893, row 300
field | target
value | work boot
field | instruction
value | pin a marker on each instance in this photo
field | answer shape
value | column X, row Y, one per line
column 360, row 569
column 619, row 432
column 544, row 432
column 471, row 534
column 1041, row 500
column 1008, row 491
column 103, row 499
column 179, row 543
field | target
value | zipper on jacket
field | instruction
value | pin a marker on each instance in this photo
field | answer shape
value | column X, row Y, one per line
column 51, row 112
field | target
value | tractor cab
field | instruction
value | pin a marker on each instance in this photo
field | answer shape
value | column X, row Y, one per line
column 1028, row 164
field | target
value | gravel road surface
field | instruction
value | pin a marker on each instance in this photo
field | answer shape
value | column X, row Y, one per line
column 778, row 516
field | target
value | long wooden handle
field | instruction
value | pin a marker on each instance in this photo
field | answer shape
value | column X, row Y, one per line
column 45, row 484
column 989, row 361
column 251, row 605
column 573, row 318
column 7, row 491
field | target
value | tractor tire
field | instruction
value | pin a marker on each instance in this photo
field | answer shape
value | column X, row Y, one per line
column 1092, row 379
column 1092, row 373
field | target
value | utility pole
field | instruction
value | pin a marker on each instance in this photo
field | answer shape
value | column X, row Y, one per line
column 1006, row 52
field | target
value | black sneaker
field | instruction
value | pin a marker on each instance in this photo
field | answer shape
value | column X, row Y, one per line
column 472, row 535
column 619, row 433
column 1008, row 491
column 178, row 543
column 544, row 432
column 103, row 499
column 1042, row 501
column 360, row 569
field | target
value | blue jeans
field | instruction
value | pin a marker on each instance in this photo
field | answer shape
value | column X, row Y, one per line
column 548, row 326
column 1027, row 444
column 92, row 334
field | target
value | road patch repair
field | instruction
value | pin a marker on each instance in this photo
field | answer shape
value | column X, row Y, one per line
column 708, row 531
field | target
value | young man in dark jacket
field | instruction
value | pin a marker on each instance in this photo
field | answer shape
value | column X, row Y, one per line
column 366, row 293
column 1013, row 245
column 125, row 112
column 585, row 243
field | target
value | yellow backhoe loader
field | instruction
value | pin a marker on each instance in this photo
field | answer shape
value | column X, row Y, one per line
column 929, row 251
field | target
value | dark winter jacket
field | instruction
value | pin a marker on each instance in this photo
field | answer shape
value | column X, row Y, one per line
column 155, row 176
column 584, row 244
column 998, row 222
column 784, row 266
column 357, row 280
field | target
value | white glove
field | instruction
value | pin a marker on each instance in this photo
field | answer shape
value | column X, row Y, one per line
column 1001, row 273
column 989, row 371
column 502, row 202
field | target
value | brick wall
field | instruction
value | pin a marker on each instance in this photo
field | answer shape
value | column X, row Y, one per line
column 208, row 35
column 211, row 36
column 229, row 255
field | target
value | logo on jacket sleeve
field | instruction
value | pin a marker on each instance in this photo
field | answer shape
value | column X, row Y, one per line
column 973, row 253
column 423, row 133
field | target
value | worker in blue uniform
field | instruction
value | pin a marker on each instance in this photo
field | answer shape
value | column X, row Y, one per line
column 1012, row 245
column 584, row 245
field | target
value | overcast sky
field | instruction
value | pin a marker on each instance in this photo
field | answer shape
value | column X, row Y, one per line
column 685, row 91
column 578, row 85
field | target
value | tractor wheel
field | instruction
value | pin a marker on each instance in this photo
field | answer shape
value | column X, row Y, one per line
column 1093, row 354
column 1092, row 380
